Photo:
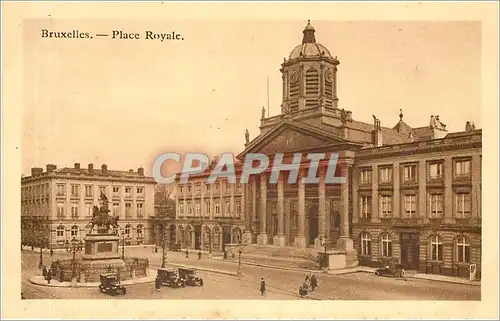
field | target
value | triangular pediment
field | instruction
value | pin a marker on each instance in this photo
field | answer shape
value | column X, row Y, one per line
column 291, row 137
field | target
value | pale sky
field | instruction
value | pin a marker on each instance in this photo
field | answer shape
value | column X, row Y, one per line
column 125, row 102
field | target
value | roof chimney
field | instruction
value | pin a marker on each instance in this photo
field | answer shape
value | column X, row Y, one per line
column 51, row 168
column 140, row 170
column 131, row 170
column 104, row 167
column 91, row 167
column 77, row 166
column 36, row 171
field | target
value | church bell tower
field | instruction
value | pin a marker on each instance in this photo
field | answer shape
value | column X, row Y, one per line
column 309, row 76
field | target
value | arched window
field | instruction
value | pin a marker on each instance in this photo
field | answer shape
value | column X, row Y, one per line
column 60, row 231
column 128, row 227
column 181, row 234
column 188, row 235
column 216, row 237
column 74, row 231
column 366, row 244
column 435, row 248
column 386, row 245
column 139, row 231
column 312, row 82
column 462, row 250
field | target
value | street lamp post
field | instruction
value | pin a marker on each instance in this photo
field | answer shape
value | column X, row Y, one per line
column 163, row 263
column 74, row 246
column 123, row 245
column 324, row 243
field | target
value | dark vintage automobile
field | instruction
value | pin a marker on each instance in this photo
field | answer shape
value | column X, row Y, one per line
column 190, row 277
column 175, row 247
column 395, row 270
column 111, row 285
column 170, row 278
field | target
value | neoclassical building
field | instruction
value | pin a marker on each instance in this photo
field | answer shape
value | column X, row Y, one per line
column 412, row 194
column 56, row 204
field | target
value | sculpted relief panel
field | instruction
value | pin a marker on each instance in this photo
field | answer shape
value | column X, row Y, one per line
column 290, row 140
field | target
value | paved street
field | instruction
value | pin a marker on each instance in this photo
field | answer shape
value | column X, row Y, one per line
column 281, row 284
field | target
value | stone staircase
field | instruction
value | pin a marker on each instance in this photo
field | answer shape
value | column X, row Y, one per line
column 280, row 256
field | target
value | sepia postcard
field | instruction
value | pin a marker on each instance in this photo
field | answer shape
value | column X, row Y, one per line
column 256, row 160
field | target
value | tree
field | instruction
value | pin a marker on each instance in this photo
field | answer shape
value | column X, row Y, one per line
column 164, row 201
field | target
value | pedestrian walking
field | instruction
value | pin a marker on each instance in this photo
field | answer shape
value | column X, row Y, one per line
column 199, row 255
column 44, row 273
column 49, row 275
column 314, row 282
column 32, row 248
column 158, row 283
column 51, row 252
column 187, row 253
column 262, row 286
column 225, row 255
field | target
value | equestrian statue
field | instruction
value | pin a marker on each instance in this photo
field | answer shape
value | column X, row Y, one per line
column 101, row 217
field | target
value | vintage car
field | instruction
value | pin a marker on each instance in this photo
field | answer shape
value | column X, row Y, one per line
column 396, row 270
column 170, row 278
column 175, row 247
column 190, row 277
column 111, row 285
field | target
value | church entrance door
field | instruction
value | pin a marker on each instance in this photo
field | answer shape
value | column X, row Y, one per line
column 313, row 223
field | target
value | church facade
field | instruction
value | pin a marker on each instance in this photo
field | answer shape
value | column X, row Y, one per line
column 412, row 195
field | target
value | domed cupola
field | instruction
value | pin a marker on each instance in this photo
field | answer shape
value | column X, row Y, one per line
column 309, row 76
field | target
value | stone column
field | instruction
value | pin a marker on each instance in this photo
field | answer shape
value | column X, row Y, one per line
column 245, row 215
column 280, row 238
column 254, row 202
column 300, row 239
column 345, row 243
column 321, row 210
column 262, row 237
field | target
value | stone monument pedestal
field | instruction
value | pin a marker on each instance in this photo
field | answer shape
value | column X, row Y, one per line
column 102, row 251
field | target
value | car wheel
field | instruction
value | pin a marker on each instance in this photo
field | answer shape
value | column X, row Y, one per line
column 398, row 275
column 377, row 273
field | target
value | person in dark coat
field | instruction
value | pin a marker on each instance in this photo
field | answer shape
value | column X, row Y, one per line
column 187, row 253
column 51, row 252
column 49, row 276
column 262, row 286
column 44, row 273
column 157, row 283
column 199, row 255
column 225, row 256
column 314, row 282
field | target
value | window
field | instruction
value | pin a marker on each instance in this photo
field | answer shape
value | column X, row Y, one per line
column 238, row 207
column 189, row 188
column 386, row 243
column 217, row 208
column 128, row 191
column 139, row 231
column 74, row 231
column 207, row 187
column 385, row 206
column 75, row 190
column 365, row 176
column 88, row 209
column 366, row 207
column 128, row 209
column 181, row 189
column 227, row 187
column 385, row 175
column 462, row 205
column 140, row 213
column 462, row 254
column 435, row 171
column 436, row 249
column 190, row 207
column 140, row 190
column 435, row 205
column 410, row 205
column 60, row 231
column 127, row 230
column 462, row 168
column 366, row 244
column 60, row 209
column 217, row 187
column 116, row 189
column 207, row 207
column 198, row 188
column 74, row 210
column 89, row 191
column 227, row 208
column 197, row 208
column 61, row 190
column 181, row 207
column 116, row 208
column 103, row 190
column 409, row 173
column 238, row 187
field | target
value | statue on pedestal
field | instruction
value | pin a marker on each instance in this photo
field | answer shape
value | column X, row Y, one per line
column 101, row 217
column 247, row 136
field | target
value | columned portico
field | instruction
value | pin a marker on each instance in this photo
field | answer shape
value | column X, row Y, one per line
column 300, row 239
column 279, row 239
column 262, row 237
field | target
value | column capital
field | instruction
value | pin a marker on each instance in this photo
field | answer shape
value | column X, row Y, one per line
column 345, row 162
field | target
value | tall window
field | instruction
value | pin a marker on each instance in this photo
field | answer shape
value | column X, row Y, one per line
column 366, row 244
column 197, row 208
column 435, row 205
column 60, row 231
column 198, row 188
column 227, row 208
column 207, row 207
column 189, row 207
column 436, row 249
column 366, row 206
column 139, row 231
column 88, row 209
column 238, row 207
column 312, row 82
column 140, row 190
column 89, row 190
column 103, row 190
column 128, row 191
column 140, row 212
column 386, row 244
column 365, row 176
column 207, row 187
column 217, row 207
column 410, row 205
column 435, row 171
column 181, row 189
column 75, row 190
column 189, row 188
column 74, row 210
column 61, row 190
column 128, row 209
column 116, row 190
column 386, row 206
column 60, row 209
column 74, row 231
column 462, row 205
column 462, row 168
column 128, row 228
column 385, row 175
column 462, row 248
column 409, row 173
column 181, row 207
column 116, row 208
column 217, row 186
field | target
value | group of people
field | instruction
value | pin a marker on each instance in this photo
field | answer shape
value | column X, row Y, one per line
column 309, row 283
column 47, row 274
